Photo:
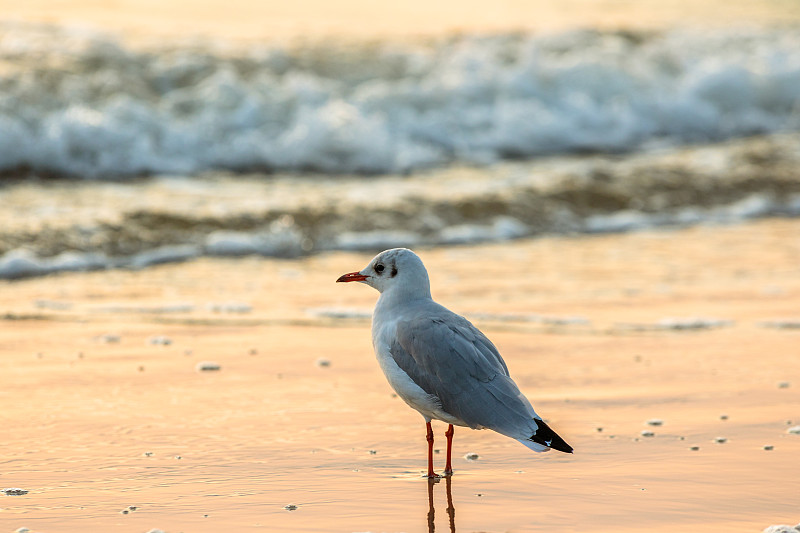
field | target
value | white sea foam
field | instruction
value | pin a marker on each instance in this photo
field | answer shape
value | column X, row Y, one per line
column 282, row 239
column 21, row 263
column 752, row 206
column 289, row 241
column 501, row 229
column 368, row 240
column 90, row 106
column 782, row 529
column 86, row 104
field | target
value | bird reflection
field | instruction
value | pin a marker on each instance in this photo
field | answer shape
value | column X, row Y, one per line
column 451, row 511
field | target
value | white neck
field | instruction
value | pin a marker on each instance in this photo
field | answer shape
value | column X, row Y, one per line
column 403, row 294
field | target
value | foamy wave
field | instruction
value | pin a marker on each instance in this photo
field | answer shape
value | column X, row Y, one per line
column 782, row 529
column 723, row 183
column 87, row 105
column 22, row 263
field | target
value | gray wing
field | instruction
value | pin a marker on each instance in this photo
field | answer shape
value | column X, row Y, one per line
column 452, row 360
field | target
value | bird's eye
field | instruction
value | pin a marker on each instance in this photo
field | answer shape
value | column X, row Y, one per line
column 379, row 268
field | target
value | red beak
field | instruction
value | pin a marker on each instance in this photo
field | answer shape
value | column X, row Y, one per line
column 352, row 276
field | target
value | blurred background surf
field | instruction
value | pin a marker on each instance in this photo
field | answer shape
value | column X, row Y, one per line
column 136, row 133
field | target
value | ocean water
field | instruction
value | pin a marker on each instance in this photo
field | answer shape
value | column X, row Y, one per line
column 83, row 104
column 288, row 149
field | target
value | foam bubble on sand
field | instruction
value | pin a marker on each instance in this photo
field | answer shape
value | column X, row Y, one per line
column 159, row 340
column 207, row 366
column 693, row 323
column 679, row 324
column 156, row 309
column 340, row 313
column 14, row 491
column 53, row 305
column 230, row 307
column 784, row 323
column 471, row 456
column 528, row 317
column 794, row 430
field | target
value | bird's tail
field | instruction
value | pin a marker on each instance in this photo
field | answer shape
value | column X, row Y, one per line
column 545, row 438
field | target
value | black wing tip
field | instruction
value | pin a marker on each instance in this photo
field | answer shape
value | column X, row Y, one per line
column 547, row 437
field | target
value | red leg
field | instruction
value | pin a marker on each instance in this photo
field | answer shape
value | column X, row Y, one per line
column 429, row 438
column 448, row 469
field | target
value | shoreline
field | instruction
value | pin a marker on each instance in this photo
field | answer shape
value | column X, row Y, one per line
column 76, row 225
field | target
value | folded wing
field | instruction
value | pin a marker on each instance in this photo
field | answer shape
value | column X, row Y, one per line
column 452, row 360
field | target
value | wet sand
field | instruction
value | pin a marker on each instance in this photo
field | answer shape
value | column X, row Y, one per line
column 104, row 407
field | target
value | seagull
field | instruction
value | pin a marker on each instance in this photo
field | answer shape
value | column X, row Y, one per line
column 440, row 364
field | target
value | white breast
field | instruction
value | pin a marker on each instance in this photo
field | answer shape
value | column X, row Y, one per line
column 426, row 404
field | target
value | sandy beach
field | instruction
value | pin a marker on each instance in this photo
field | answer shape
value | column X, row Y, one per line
column 105, row 407
column 243, row 21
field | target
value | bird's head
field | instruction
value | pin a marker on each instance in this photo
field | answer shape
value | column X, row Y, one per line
column 399, row 271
